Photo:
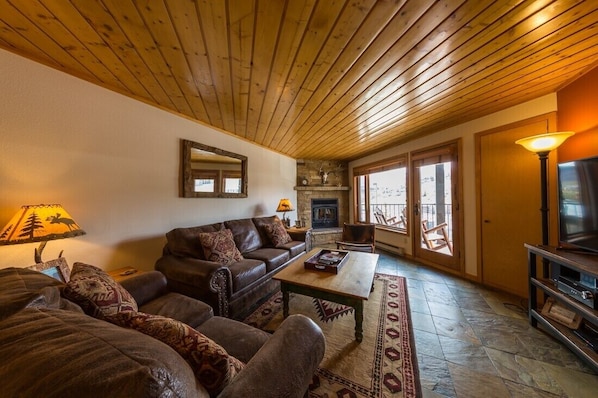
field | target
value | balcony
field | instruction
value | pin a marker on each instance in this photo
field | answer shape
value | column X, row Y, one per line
column 428, row 213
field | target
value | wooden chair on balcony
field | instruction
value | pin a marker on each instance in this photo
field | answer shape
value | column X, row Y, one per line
column 436, row 237
column 391, row 221
column 358, row 237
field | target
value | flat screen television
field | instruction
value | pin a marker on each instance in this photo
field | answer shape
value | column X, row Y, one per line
column 578, row 204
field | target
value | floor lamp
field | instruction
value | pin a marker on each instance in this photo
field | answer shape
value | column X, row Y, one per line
column 541, row 145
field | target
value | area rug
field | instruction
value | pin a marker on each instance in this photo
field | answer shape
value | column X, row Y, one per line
column 384, row 364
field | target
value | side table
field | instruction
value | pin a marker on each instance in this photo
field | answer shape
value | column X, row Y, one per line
column 120, row 274
column 303, row 233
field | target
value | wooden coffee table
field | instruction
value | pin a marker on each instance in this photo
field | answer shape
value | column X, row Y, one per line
column 351, row 286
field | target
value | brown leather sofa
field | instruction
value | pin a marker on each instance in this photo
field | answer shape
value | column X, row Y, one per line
column 234, row 289
column 51, row 348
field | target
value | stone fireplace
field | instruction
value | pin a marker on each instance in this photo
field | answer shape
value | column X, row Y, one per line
column 310, row 187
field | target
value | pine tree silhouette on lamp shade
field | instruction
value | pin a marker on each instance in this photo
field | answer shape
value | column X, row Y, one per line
column 39, row 223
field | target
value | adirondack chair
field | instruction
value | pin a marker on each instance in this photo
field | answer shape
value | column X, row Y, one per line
column 436, row 237
column 391, row 221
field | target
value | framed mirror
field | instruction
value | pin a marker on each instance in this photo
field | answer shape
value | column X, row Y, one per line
column 210, row 172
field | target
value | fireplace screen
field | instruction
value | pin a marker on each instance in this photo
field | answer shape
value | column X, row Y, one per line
column 324, row 213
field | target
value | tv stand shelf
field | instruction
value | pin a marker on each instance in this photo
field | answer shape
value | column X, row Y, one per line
column 576, row 262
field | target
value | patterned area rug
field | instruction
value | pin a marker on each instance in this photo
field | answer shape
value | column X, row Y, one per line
column 384, row 364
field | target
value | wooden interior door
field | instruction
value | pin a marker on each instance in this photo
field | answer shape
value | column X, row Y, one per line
column 509, row 205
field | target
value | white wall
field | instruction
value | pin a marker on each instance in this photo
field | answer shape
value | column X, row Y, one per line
column 113, row 163
column 466, row 132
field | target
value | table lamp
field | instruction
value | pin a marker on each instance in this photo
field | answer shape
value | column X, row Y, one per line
column 283, row 206
column 39, row 223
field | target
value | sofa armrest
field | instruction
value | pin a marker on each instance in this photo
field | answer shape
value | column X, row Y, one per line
column 204, row 280
column 302, row 235
column 285, row 365
column 297, row 234
column 146, row 286
column 191, row 271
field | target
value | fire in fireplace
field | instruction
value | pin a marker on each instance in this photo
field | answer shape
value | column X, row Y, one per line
column 324, row 213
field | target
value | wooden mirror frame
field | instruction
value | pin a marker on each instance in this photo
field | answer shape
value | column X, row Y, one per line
column 188, row 184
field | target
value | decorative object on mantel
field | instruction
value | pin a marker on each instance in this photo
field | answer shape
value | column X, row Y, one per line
column 39, row 223
column 324, row 173
column 283, row 206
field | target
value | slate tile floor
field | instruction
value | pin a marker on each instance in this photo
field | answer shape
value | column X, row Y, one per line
column 475, row 342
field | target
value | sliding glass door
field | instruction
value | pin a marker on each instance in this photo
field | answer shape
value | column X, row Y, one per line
column 435, row 208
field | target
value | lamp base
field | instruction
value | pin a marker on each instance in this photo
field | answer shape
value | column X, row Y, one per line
column 37, row 255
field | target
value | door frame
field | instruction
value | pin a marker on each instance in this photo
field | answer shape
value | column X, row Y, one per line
column 455, row 263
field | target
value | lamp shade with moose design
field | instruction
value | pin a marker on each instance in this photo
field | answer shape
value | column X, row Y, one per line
column 39, row 223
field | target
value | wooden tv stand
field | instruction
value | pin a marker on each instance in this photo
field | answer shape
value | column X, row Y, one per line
column 573, row 262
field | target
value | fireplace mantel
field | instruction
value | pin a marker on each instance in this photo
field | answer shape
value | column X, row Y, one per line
column 321, row 188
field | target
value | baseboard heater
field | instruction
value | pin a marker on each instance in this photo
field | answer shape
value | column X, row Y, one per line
column 391, row 248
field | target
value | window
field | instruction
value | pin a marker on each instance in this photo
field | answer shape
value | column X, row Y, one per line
column 209, row 181
column 231, row 181
column 381, row 193
column 205, row 181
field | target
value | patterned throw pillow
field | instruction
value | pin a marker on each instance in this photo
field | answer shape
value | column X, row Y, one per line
column 277, row 233
column 220, row 247
column 212, row 365
column 96, row 292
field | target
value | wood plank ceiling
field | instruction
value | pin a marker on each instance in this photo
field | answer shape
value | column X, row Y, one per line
column 314, row 79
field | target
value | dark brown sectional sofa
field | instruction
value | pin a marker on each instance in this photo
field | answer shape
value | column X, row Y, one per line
column 51, row 348
column 232, row 290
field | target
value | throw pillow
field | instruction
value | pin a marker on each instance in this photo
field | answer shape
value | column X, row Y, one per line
column 212, row 365
column 220, row 247
column 96, row 292
column 277, row 233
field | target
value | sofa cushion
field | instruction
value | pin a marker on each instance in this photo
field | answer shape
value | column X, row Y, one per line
column 212, row 365
column 220, row 247
column 260, row 222
column 294, row 247
column 184, row 242
column 273, row 257
column 21, row 288
column 245, row 272
column 96, row 292
column 180, row 307
column 247, row 238
column 238, row 339
column 277, row 234
column 57, row 353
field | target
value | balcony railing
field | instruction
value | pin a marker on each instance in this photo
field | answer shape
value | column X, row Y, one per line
column 428, row 213
column 389, row 210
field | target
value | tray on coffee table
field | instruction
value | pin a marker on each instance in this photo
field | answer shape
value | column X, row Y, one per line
column 327, row 260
